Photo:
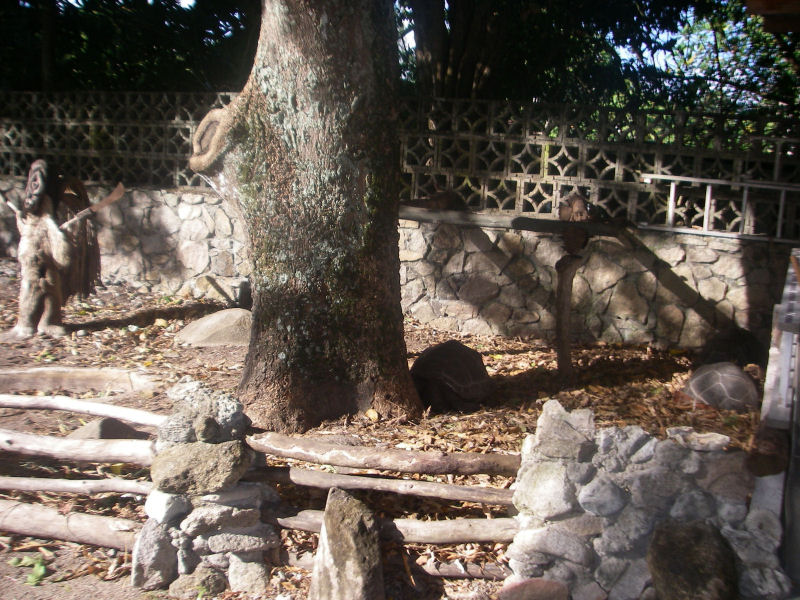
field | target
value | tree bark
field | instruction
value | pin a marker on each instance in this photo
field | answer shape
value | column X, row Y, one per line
column 427, row 489
column 135, row 452
column 75, row 486
column 309, row 150
column 48, row 523
column 413, row 531
column 404, row 461
column 98, row 409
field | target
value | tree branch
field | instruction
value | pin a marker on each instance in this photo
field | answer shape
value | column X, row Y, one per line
column 462, row 463
column 427, row 489
column 47, row 523
column 413, row 531
column 75, row 486
column 98, row 409
column 136, row 452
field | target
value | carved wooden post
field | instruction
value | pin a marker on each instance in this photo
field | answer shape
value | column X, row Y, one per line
column 566, row 267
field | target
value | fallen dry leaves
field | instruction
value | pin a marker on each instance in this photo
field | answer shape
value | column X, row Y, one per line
column 125, row 328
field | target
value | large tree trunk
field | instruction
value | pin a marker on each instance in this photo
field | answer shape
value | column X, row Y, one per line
column 310, row 152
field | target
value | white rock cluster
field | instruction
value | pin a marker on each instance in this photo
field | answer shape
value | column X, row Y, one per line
column 589, row 500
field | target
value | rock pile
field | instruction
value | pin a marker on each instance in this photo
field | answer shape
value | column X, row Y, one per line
column 590, row 501
column 204, row 530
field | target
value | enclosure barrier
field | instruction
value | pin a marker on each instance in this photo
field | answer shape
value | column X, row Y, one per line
column 504, row 157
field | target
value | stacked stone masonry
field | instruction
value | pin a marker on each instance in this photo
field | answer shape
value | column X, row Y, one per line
column 589, row 500
column 669, row 289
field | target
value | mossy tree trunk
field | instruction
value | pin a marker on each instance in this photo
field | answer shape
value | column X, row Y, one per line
column 309, row 153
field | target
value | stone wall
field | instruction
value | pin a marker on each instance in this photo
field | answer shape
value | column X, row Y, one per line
column 590, row 499
column 659, row 287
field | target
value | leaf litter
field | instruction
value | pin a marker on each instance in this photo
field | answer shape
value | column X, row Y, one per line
column 126, row 328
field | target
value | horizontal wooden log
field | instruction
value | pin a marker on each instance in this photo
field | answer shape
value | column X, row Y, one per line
column 450, row 570
column 47, row 523
column 98, row 409
column 413, row 531
column 136, row 452
column 405, row 461
column 76, row 486
column 428, row 489
column 457, row 570
column 501, row 221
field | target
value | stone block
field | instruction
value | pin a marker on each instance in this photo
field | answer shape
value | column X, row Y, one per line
column 544, row 490
column 165, row 508
column 348, row 560
column 154, row 560
column 554, row 542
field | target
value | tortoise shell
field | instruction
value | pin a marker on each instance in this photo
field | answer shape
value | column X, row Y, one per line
column 451, row 375
column 723, row 385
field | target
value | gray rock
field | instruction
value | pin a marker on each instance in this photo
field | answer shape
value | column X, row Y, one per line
column 348, row 560
column 203, row 582
column 691, row 561
column 230, row 327
column 629, row 532
column 562, row 434
column 534, row 589
column 164, row 507
column 199, row 468
column 602, row 497
column 632, row 582
column 700, row 442
column 154, row 560
column 247, row 574
column 691, row 505
column 654, row 488
column 725, row 476
column 555, row 542
column 212, row 517
column 194, row 404
column 544, row 490
column 252, row 539
column 107, row 428
column 764, row 584
column 245, row 494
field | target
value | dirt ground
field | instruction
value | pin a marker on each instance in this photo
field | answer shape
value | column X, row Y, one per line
column 125, row 328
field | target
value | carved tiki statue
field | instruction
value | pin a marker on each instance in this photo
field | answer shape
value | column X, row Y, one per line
column 58, row 254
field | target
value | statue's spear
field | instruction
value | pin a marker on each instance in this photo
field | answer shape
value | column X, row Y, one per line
column 115, row 195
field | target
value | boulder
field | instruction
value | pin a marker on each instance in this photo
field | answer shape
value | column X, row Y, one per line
column 107, row 428
column 534, row 589
column 199, row 468
column 203, row 582
column 347, row 565
column 230, row 327
column 155, row 560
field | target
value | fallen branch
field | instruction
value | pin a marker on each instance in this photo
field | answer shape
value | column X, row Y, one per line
column 428, row 489
column 98, row 409
column 431, row 463
column 136, row 452
column 450, row 570
column 77, row 486
column 457, row 570
column 413, row 531
column 47, row 523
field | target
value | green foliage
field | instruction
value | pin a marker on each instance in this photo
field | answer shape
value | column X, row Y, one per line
column 127, row 44
column 37, row 564
column 726, row 62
